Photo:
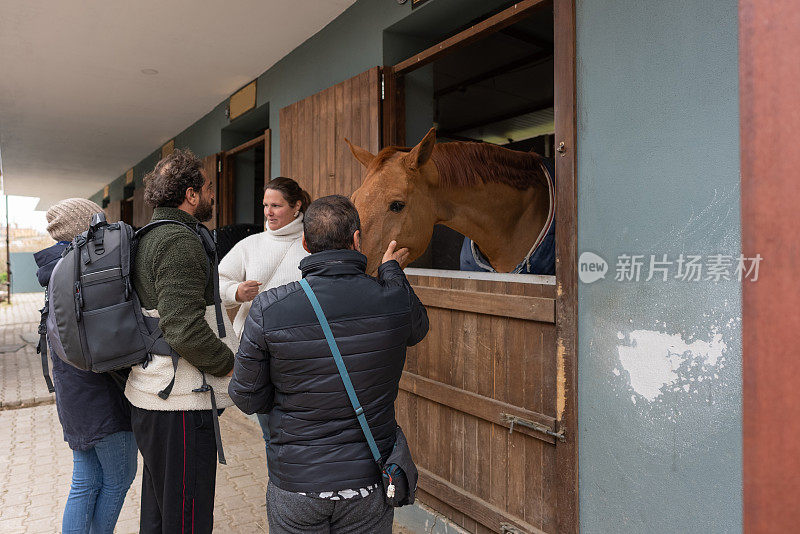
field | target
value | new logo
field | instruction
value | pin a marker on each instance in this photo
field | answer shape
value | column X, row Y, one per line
column 591, row 267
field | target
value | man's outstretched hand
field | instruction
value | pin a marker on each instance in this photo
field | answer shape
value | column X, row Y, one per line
column 391, row 254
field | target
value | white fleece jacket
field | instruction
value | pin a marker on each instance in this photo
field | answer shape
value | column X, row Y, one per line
column 271, row 257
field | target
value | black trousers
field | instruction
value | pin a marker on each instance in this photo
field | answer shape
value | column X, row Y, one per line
column 180, row 470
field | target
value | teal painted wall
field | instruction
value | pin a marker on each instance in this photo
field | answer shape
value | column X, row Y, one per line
column 659, row 363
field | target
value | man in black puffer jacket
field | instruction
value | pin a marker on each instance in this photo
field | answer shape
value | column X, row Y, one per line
column 321, row 474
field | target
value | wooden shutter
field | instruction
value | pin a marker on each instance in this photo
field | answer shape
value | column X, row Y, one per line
column 313, row 130
column 142, row 213
column 211, row 166
column 113, row 211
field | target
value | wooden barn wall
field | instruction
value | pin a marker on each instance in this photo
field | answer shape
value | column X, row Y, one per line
column 313, row 130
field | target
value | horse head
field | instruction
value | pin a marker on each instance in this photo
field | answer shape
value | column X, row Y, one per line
column 396, row 200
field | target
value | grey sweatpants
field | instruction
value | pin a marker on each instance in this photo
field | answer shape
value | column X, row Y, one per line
column 292, row 513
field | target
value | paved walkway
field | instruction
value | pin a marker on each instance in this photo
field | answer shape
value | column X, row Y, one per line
column 21, row 381
column 36, row 464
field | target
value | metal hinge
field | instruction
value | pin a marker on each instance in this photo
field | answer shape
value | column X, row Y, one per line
column 219, row 165
column 505, row 528
column 515, row 420
column 383, row 87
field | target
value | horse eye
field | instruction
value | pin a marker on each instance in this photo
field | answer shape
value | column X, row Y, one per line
column 397, row 206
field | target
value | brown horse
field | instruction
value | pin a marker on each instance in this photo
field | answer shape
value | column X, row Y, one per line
column 499, row 198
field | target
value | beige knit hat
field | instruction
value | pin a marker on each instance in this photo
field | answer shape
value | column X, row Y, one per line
column 70, row 217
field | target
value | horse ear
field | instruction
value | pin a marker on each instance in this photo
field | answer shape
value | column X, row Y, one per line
column 364, row 156
column 421, row 153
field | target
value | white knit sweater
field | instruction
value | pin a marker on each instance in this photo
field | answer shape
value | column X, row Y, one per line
column 271, row 257
column 145, row 382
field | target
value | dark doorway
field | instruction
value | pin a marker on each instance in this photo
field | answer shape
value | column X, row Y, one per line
column 245, row 170
column 248, row 185
column 127, row 211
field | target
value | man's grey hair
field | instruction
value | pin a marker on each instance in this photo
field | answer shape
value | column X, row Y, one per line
column 329, row 224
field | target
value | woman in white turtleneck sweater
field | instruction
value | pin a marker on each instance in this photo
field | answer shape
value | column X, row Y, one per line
column 268, row 259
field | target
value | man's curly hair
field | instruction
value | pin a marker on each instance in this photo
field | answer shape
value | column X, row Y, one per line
column 166, row 185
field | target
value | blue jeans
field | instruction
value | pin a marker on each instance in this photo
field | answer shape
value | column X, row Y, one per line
column 101, row 477
column 263, row 420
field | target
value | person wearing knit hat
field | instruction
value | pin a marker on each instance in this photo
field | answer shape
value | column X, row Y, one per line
column 94, row 413
column 70, row 217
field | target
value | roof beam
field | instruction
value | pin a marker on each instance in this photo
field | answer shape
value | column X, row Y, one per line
column 493, row 24
column 525, row 37
column 531, row 59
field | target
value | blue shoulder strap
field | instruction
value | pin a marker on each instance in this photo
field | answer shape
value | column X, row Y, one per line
column 337, row 356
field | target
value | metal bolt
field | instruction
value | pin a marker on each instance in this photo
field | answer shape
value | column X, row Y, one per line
column 561, row 148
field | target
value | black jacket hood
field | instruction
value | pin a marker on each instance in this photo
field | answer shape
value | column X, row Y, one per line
column 46, row 260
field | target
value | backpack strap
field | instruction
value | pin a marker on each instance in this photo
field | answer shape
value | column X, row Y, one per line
column 41, row 348
column 348, row 385
column 214, row 417
column 210, row 245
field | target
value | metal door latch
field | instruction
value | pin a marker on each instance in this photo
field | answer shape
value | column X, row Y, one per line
column 561, row 148
column 516, row 420
column 505, row 528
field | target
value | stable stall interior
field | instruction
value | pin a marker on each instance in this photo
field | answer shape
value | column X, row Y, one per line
column 499, row 90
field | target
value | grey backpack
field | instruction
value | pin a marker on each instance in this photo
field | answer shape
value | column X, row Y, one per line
column 95, row 320
column 92, row 317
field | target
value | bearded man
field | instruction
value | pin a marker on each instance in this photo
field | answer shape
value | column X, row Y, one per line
column 173, row 279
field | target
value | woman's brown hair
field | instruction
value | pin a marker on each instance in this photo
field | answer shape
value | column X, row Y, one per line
column 291, row 191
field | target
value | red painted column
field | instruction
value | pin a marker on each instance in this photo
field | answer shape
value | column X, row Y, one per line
column 769, row 80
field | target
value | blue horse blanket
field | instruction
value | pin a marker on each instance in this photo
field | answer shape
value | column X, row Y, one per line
column 542, row 259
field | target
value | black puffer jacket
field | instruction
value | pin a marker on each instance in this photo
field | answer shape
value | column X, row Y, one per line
column 284, row 366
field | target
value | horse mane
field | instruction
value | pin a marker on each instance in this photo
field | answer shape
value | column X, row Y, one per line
column 462, row 164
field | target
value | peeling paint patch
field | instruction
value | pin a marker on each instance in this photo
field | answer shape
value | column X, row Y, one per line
column 652, row 358
column 561, row 382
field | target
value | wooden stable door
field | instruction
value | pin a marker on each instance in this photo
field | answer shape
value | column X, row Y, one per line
column 113, row 211
column 313, row 130
column 142, row 212
column 211, row 166
column 488, row 361
column 489, row 397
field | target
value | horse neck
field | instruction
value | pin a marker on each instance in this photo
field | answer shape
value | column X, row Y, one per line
column 502, row 220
